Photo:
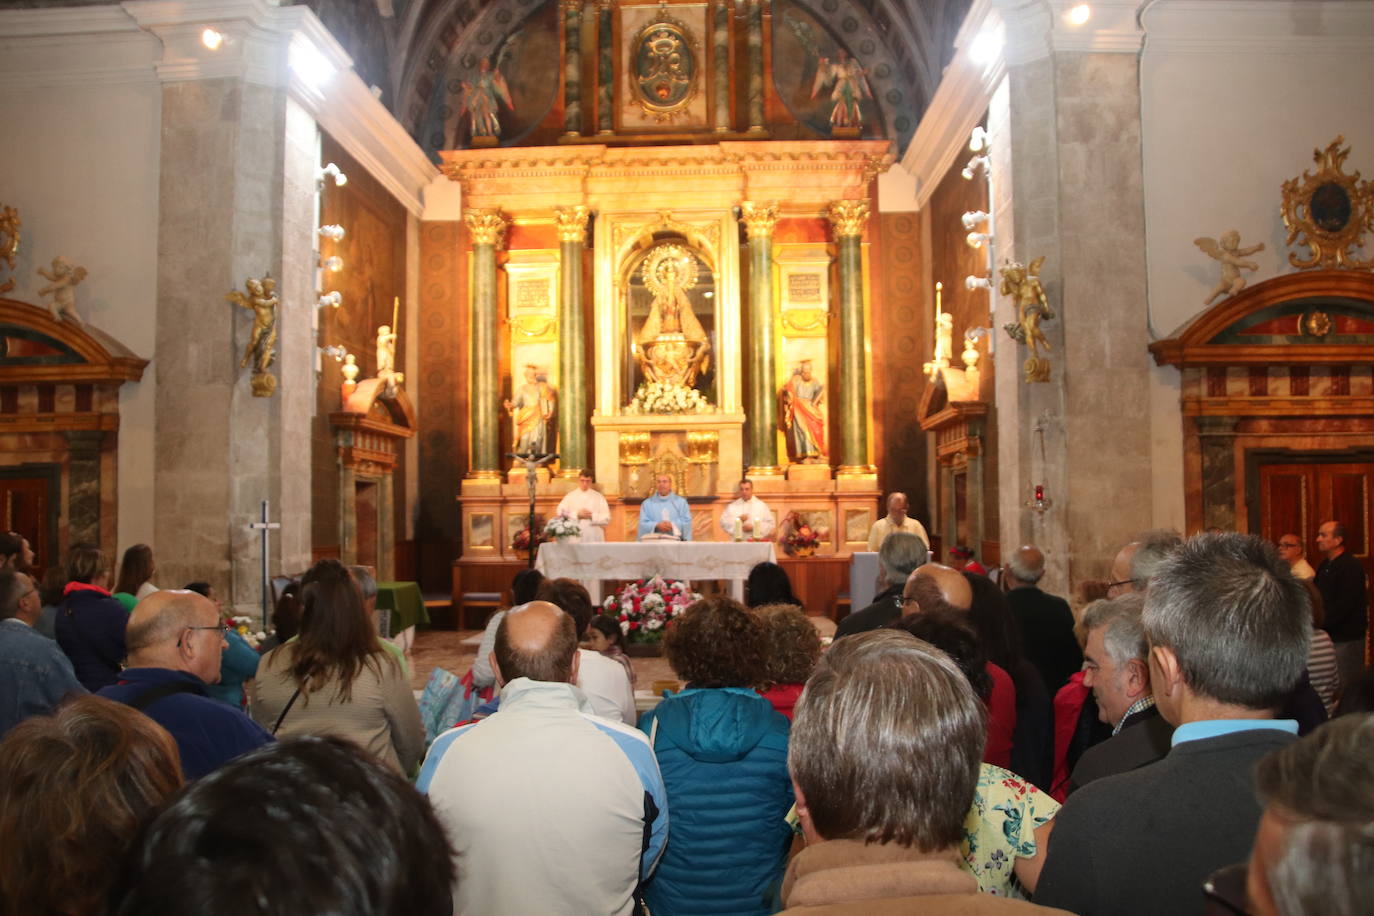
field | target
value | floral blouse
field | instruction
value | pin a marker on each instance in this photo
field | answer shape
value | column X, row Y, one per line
column 1001, row 826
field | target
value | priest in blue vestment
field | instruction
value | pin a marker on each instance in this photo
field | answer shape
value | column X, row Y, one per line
column 665, row 514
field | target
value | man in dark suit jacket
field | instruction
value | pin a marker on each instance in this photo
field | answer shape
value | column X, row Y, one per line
column 1045, row 620
column 1117, row 669
column 1229, row 629
column 898, row 558
column 1340, row 579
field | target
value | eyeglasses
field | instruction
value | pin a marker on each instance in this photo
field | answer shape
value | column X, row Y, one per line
column 219, row 626
column 1224, row 891
column 1121, row 584
column 908, row 599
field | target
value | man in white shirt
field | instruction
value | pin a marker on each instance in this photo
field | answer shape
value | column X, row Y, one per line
column 589, row 507
column 602, row 679
column 1290, row 548
column 897, row 520
column 748, row 517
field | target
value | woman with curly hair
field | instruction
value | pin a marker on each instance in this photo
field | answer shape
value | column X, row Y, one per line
column 792, row 648
column 336, row 679
column 722, row 750
column 74, row 788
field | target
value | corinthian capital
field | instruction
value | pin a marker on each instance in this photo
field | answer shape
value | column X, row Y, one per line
column 847, row 217
column 759, row 219
column 572, row 223
column 486, row 226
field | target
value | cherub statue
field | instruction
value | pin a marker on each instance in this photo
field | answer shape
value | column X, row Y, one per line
column 1232, row 258
column 9, row 242
column 850, row 88
column 1023, row 285
column 63, row 279
column 386, row 350
column 262, row 300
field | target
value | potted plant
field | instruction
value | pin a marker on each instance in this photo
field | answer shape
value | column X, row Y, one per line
column 560, row 528
column 798, row 537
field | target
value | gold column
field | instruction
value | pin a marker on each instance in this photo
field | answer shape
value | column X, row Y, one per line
column 759, row 220
column 847, row 219
column 572, row 366
column 487, row 228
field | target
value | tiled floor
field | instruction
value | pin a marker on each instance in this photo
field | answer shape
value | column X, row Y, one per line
column 454, row 650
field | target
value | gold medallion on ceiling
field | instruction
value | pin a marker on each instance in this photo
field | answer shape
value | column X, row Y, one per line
column 1330, row 210
column 664, row 68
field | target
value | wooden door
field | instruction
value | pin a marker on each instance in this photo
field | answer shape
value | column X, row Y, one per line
column 25, row 503
column 1297, row 498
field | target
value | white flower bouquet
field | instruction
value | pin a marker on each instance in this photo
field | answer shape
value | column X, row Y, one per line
column 666, row 398
column 561, row 527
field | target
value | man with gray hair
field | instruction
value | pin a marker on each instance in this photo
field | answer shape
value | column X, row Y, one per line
column 1228, row 629
column 884, row 754
column 1314, row 853
column 1136, row 563
column 1117, row 669
column 898, row 558
column 367, row 587
column 896, row 520
column 1045, row 620
column 34, row 673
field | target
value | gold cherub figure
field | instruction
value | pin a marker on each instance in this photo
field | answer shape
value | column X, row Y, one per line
column 262, row 301
column 9, row 242
column 1227, row 250
column 1023, row 285
column 62, row 285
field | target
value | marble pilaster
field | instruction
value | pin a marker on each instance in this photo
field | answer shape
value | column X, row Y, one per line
column 754, row 14
column 720, row 47
column 759, row 220
column 572, row 67
column 847, row 220
column 605, row 67
column 83, row 485
column 572, row 335
column 486, row 228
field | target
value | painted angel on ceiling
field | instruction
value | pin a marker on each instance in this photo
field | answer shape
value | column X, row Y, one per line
column 849, row 83
column 481, row 99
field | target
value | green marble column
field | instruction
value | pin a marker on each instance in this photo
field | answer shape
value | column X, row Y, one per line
column 720, row 43
column 605, row 68
column 486, row 228
column 759, row 220
column 755, row 42
column 572, row 337
column 847, row 219
column 572, row 68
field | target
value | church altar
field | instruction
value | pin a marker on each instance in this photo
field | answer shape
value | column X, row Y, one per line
column 591, row 563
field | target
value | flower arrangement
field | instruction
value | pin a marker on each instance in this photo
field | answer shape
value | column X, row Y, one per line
column 525, row 540
column 664, row 397
column 560, row 527
column 244, row 627
column 646, row 607
column 798, row 537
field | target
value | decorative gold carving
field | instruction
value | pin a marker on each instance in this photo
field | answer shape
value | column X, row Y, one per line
column 664, row 68
column 534, row 326
column 703, row 447
column 570, row 6
column 707, row 234
column 1330, row 210
column 634, row 448
column 759, row 219
column 1317, row 323
column 572, row 223
column 673, row 347
column 802, row 321
column 1032, row 307
column 487, row 226
column 262, row 301
column 847, row 217
column 9, row 242
column 876, row 165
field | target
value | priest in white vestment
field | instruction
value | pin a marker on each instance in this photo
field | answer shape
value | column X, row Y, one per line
column 747, row 517
column 589, row 507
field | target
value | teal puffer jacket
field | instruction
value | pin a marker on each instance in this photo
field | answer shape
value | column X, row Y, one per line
column 723, row 755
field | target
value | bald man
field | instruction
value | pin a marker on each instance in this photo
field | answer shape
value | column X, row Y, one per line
column 949, row 583
column 554, row 781
column 174, row 640
column 1045, row 620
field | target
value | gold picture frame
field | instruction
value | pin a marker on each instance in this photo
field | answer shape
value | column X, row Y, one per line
column 1328, row 212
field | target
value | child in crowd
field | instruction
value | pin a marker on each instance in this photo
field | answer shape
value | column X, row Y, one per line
column 605, row 637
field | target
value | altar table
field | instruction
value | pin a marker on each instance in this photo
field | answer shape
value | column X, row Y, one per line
column 590, row 564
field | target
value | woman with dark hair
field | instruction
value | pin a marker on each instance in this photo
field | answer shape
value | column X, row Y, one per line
column 722, row 750
column 74, row 787
column 523, row 588
column 135, row 572
column 90, row 622
column 336, row 679
column 1032, row 751
column 286, row 617
column 792, row 646
column 768, row 583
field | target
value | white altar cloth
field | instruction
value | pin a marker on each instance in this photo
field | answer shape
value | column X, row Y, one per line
column 591, row 564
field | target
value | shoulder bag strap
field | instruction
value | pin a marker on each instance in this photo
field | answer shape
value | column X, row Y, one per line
column 287, row 708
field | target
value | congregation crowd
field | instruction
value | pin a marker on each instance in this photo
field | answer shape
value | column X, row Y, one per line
column 1197, row 738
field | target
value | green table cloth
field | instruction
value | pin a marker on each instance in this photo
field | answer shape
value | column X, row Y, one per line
column 406, row 604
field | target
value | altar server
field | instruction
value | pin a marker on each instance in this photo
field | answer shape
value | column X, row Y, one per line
column 588, row 506
column 747, row 517
column 665, row 516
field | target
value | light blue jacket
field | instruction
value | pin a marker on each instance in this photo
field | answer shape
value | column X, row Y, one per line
column 723, row 755
column 652, row 510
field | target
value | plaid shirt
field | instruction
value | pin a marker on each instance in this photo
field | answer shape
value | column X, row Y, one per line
column 1139, row 705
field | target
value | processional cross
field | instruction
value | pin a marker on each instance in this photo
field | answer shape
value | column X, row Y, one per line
column 532, row 463
column 266, row 528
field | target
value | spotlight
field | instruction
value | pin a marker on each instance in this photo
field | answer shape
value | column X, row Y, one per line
column 334, row 233
column 309, row 64
column 978, row 139
column 974, row 164
column 1077, row 15
column 331, row 170
column 976, row 239
column 972, row 218
column 971, row 283
column 985, row 47
column 212, row 39
column 333, row 264
column 331, row 300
